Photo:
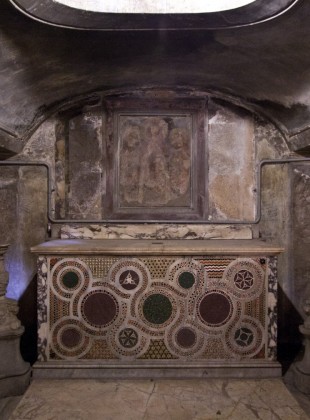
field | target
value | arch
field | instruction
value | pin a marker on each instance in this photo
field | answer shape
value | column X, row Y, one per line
column 57, row 13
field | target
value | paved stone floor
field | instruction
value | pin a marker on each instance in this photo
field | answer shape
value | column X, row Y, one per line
column 157, row 399
column 7, row 406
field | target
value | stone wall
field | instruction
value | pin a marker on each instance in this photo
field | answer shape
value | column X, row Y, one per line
column 300, row 176
column 232, row 177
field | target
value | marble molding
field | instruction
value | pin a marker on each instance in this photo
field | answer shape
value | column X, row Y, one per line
column 272, row 307
column 156, row 231
column 14, row 372
column 42, row 308
column 64, row 247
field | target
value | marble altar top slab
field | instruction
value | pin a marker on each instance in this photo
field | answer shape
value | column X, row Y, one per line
column 156, row 247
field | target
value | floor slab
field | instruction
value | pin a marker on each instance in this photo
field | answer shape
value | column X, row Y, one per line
column 189, row 399
column 7, row 406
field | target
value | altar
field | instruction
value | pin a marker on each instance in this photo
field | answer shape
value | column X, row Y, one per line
column 170, row 308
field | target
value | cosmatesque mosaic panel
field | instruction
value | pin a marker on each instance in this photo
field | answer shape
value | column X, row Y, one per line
column 157, row 308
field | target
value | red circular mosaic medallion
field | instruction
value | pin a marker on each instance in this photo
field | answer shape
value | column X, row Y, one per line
column 186, row 337
column 215, row 308
column 71, row 337
column 99, row 309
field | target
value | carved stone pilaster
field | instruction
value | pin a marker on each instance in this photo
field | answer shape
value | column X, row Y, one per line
column 14, row 371
column 302, row 368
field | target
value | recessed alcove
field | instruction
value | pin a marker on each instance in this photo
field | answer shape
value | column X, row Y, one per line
column 207, row 151
column 157, row 156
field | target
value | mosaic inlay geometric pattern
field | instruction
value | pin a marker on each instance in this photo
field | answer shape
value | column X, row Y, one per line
column 155, row 308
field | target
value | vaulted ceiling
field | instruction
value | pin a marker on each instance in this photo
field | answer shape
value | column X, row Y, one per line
column 265, row 66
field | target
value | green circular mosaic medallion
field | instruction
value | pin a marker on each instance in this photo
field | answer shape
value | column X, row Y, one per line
column 157, row 308
column 186, row 280
column 70, row 279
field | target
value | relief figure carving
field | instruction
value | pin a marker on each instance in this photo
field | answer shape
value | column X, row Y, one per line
column 130, row 164
column 179, row 161
column 155, row 162
column 154, row 182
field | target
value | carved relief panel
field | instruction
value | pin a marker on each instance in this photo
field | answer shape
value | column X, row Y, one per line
column 156, row 169
column 154, row 161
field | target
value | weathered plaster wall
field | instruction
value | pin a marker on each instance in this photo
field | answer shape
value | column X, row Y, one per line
column 8, row 203
column 85, row 167
column 29, row 228
column 275, row 223
column 300, row 234
column 24, row 221
column 231, row 164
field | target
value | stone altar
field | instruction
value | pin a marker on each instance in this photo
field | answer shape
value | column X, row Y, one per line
column 171, row 308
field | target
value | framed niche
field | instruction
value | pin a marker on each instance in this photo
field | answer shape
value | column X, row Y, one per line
column 157, row 157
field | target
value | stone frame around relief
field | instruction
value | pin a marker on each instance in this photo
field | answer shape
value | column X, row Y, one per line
column 157, row 160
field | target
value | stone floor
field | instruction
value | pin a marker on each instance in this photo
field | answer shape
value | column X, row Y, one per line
column 7, row 406
column 157, row 399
